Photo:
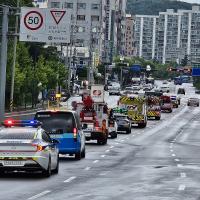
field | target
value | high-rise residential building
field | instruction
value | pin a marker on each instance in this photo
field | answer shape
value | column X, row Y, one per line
column 145, row 33
column 177, row 35
column 95, row 26
column 129, row 39
column 40, row 3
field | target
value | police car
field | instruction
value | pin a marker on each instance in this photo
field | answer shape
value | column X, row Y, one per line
column 26, row 147
column 64, row 126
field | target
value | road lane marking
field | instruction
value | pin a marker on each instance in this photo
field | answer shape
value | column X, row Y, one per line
column 111, row 147
column 183, row 175
column 103, row 156
column 181, row 187
column 70, row 179
column 95, row 161
column 179, row 165
column 108, row 150
column 122, row 140
column 39, row 195
column 173, row 155
column 177, row 160
column 87, row 168
column 171, row 150
column 116, row 143
column 133, row 135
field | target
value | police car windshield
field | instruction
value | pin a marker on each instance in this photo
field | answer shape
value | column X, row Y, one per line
column 56, row 122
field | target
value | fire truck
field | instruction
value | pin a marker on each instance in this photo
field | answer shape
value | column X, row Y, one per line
column 136, row 109
column 166, row 103
column 153, row 105
column 93, row 113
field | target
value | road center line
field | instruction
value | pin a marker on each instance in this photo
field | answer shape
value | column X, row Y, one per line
column 181, row 187
column 95, row 161
column 103, row 156
column 39, row 195
column 171, row 150
column 183, row 175
column 87, row 168
column 173, row 155
column 179, row 165
column 70, row 179
column 108, row 150
column 111, row 147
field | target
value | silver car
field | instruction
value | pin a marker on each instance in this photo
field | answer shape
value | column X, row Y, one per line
column 28, row 149
column 193, row 102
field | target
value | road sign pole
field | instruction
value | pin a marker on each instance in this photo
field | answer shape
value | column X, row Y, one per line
column 4, row 43
column 14, row 61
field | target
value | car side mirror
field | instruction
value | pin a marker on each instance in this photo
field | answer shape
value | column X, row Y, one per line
column 54, row 141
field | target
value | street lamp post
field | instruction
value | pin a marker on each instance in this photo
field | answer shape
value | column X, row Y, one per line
column 14, row 61
column 4, row 47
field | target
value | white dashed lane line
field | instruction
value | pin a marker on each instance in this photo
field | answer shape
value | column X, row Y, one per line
column 179, row 165
column 108, row 150
column 39, row 195
column 70, row 179
column 177, row 160
column 111, row 147
column 173, row 155
column 181, row 187
column 87, row 168
column 95, row 161
column 103, row 156
column 183, row 175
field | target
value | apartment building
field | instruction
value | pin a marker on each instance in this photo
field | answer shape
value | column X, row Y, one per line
column 176, row 34
column 129, row 39
column 145, row 35
column 95, row 26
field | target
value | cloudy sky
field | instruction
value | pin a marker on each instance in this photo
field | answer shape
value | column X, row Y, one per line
column 192, row 1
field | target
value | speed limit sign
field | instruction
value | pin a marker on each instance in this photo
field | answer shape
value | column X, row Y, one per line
column 33, row 20
column 45, row 25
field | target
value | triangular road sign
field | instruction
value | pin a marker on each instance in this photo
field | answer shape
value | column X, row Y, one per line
column 57, row 15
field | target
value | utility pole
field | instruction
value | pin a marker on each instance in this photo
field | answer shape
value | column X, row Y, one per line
column 14, row 61
column 4, row 47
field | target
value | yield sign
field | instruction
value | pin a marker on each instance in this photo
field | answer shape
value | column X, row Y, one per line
column 57, row 15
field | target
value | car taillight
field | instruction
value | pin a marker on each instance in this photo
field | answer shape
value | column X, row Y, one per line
column 39, row 147
column 75, row 133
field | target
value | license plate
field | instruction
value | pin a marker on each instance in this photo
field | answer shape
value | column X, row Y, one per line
column 87, row 134
column 13, row 163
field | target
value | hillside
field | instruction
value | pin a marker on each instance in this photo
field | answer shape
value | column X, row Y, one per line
column 153, row 7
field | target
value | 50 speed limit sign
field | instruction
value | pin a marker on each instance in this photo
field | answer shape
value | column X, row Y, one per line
column 33, row 20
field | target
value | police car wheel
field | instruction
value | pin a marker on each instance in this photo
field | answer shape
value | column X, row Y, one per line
column 55, row 171
column 47, row 172
column 78, row 155
column 83, row 153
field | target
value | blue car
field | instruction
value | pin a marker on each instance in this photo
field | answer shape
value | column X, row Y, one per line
column 65, row 127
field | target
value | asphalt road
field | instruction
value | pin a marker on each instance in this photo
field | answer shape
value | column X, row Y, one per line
column 160, row 162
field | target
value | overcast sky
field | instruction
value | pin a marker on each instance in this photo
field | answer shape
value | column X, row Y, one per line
column 192, row 1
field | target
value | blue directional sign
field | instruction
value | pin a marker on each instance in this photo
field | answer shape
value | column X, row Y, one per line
column 136, row 68
column 195, row 71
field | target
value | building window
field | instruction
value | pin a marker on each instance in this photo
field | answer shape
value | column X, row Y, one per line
column 95, row 18
column 55, row 4
column 81, row 5
column 81, row 29
column 95, row 6
column 68, row 5
column 81, row 17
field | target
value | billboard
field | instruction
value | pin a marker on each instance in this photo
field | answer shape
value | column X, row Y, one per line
column 97, row 93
